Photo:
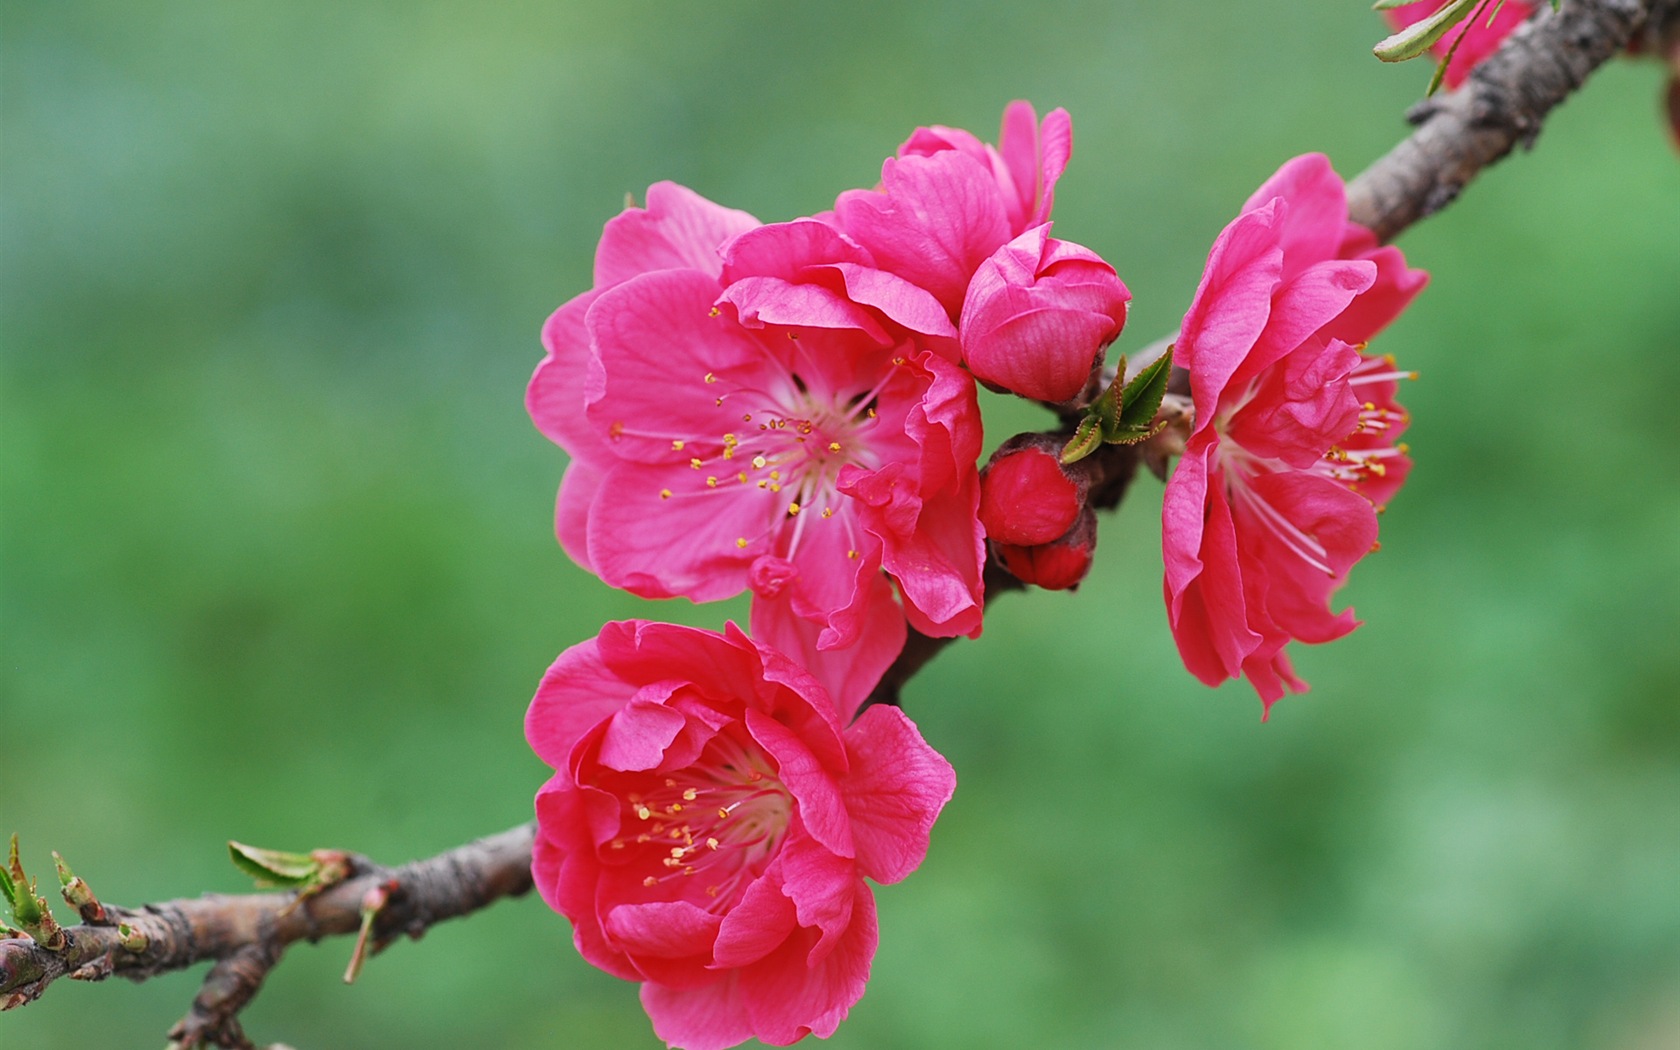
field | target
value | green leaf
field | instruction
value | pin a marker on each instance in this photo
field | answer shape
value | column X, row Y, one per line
column 1389, row 5
column 1087, row 438
column 275, row 867
column 1418, row 37
column 1141, row 398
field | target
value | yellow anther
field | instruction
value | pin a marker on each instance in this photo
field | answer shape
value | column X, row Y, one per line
column 1403, row 448
column 689, row 794
column 872, row 413
column 695, row 463
column 643, row 812
column 747, row 418
column 828, row 512
column 898, row 361
column 729, row 452
column 775, row 487
column 650, row 882
column 664, row 493
column 851, row 554
column 714, row 312
column 763, row 484
column 741, row 542
column 758, row 462
column 775, row 475
column 711, row 843
column 718, row 403
column 834, row 446
column 711, row 377
column 711, row 891
column 742, row 478
column 723, row 814
column 677, row 445
column 711, row 482
column 616, row 430
column 729, row 439
column 793, row 509
column 677, row 852
column 793, row 335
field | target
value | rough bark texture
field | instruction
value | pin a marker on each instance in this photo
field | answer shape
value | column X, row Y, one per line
column 1504, row 104
column 246, row 935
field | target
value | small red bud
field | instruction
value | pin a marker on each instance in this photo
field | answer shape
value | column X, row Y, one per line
column 1059, row 565
column 1026, row 498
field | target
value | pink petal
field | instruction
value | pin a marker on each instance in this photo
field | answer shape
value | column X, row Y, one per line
column 638, row 734
column 759, row 301
column 662, row 324
column 895, row 790
column 787, row 1001
column 758, row 924
column 662, row 929
column 848, row 674
column 708, row 1017
column 1231, row 306
column 576, row 694
column 1305, row 303
column 822, row 888
column 1396, row 285
column 1316, row 207
column 679, row 229
column 937, row 219
column 686, row 544
column 1207, row 611
column 786, row 249
column 554, row 397
column 578, row 487
column 812, row 786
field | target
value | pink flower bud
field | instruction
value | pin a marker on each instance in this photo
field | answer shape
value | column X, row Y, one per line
column 1026, row 498
column 1038, row 315
column 1059, row 565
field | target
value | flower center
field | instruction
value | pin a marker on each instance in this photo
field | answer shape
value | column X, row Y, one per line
column 785, row 433
column 1356, row 458
column 719, row 821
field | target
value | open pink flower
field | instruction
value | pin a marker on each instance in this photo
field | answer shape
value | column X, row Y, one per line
column 710, row 824
column 712, row 457
column 1294, row 438
column 1482, row 37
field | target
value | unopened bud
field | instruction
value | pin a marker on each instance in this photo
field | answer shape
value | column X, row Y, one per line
column 1058, row 565
column 1026, row 498
column 1038, row 315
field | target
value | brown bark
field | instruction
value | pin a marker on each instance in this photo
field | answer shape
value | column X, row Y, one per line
column 246, row 935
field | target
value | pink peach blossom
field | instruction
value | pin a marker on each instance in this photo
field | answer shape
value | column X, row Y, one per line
column 1294, row 436
column 1481, row 37
column 710, row 825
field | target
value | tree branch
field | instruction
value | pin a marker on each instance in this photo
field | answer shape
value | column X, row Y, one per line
column 1504, row 104
column 246, row 935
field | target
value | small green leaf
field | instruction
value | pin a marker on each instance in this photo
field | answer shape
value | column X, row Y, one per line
column 274, row 867
column 1389, row 5
column 1141, row 398
column 1087, row 438
column 1418, row 37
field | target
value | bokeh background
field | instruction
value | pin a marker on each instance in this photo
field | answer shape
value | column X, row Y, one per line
column 277, row 561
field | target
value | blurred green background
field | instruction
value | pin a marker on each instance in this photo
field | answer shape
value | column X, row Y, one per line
column 277, row 560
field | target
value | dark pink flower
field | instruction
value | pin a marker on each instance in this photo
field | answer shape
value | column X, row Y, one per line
column 1481, row 37
column 710, row 457
column 710, row 824
column 1294, row 437
column 1038, row 315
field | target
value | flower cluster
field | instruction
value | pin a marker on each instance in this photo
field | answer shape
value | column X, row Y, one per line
column 789, row 410
column 785, row 409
